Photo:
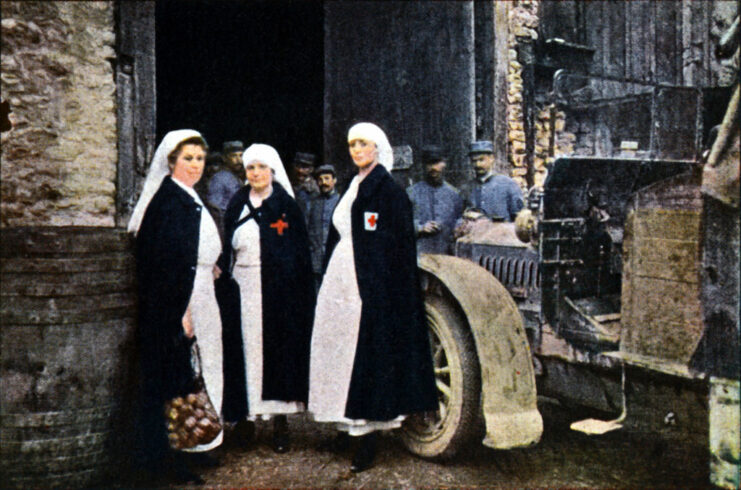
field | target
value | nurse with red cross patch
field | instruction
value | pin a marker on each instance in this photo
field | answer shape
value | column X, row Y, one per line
column 267, row 238
column 370, row 355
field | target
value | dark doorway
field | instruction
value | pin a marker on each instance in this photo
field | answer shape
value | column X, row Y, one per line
column 248, row 70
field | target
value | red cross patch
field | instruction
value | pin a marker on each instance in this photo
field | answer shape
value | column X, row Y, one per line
column 371, row 221
column 280, row 225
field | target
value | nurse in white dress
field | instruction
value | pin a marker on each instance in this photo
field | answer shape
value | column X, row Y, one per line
column 368, row 351
column 177, row 165
column 276, row 304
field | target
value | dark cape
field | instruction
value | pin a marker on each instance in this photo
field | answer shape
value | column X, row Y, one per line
column 392, row 372
column 287, row 294
column 166, row 257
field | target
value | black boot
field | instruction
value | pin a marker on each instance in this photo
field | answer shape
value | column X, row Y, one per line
column 243, row 433
column 365, row 453
column 337, row 444
column 281, row 441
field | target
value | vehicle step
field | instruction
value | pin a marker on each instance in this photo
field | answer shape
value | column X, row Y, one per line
column 597, row 427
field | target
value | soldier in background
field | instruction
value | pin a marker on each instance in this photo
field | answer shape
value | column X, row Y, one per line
column 214, row 163
column 319, row 216
column 498, row 196
column 437, row 205
column 302, row 179
column 225, row 182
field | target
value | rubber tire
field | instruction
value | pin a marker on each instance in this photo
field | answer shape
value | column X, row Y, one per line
column 463, row 421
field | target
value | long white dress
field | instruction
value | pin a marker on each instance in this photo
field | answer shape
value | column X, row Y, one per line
column 335, row 335
column 247, row 273
column 205, row 313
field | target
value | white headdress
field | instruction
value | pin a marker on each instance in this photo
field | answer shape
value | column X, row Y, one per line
column 266, row 154
column 158, row 170
column 370, row 132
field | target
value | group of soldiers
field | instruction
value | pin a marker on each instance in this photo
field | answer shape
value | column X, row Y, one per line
column 440, row 210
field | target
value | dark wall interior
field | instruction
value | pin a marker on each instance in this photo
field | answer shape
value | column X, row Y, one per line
column 407, row 66
column 249, row 70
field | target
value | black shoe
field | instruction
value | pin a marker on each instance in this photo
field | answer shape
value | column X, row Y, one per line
column 338, row 444
column 281, row 440
column 365, row 453
column 243, row 433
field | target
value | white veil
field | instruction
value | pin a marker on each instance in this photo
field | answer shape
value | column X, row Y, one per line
column 158, row 170
column 266, row 154
column 370, row 132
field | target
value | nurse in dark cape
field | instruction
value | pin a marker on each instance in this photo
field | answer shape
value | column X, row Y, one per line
column 177, row 244
column 267, row 251
column 370, row 355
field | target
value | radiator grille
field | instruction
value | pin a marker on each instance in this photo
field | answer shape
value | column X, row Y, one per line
column 511, row 271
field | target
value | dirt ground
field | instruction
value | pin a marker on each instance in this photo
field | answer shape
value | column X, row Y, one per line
column 562, row 458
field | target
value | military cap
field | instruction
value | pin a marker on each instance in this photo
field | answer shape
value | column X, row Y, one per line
column 324, row 169
column 483, row 146
column 431, row 154
column 233, row 146
column 304, row 159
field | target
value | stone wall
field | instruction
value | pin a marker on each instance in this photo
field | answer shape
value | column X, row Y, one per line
column 551, row 140
column 59, row 159
column 551, row 136
column 523, row 23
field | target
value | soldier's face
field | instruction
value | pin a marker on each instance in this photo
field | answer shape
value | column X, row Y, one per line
column 303, row 172
column 326, row 183
column 363, row 152
column 482, row 163
column 259, row 175
column 234, row 160
column 434, row 172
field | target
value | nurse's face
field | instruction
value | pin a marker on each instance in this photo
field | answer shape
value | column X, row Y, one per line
column 363, row 152
column 259, row 175
column 189, row 164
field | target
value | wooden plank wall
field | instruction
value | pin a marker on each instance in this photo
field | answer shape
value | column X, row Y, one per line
column 648, row 41
column 407, row 66
column 136, row 99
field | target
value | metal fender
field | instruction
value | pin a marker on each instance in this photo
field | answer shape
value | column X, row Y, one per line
column 509, row 396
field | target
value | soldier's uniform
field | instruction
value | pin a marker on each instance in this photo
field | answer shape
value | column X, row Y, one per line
column 496, row 195
column 442, row 204
column 222, row 186
column 305, row 189
column 318, row 220
column 319, row 217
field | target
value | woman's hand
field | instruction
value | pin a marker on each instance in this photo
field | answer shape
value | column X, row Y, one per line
column 217, row 272
column 188, row 323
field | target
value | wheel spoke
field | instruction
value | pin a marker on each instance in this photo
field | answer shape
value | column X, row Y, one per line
column 444, row 389
column 436, row 355
column 442, row 370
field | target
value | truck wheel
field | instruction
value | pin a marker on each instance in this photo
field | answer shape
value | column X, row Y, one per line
column 440, row 435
